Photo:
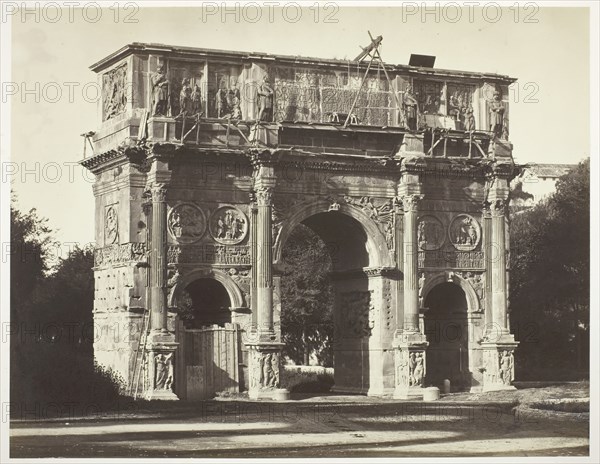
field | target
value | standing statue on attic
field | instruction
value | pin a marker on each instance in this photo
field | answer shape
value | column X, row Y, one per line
column 410, row 103
column 160, row 91
column 196, row 100
column 497, row 110
column 265, row 107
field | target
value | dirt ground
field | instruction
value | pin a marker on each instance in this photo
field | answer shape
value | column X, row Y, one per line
column 490, row 424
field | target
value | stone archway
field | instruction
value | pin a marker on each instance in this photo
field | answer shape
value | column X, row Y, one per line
column 376, row 241
column 446, row 326
column 474, row 303
column 182, row 281
column 361, row 290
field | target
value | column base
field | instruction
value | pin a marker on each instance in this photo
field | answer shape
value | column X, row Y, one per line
column 497, row 387
column 410, row 364
column 264, row 371
column 408, row 393
column 161, row 395
column 159, row 367
column 498, row 364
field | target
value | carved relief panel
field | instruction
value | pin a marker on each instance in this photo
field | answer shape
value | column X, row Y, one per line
column 430, row 96
column 450, row 241
column 111, row 224
column 357, row 308
column 430, row 233
column 464, row 232
column 114, row 92
column 460, row 105
column 225, row 91
column 228, row 225
column 186, row 88
column 186, row 223
column 319, row 96
column 264, row 369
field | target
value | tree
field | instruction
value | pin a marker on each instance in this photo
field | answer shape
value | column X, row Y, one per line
column 51, row 320
column 307, row 298
column 550, row 278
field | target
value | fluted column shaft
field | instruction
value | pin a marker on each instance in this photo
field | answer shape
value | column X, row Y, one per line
column 499, row 306
column 264, row 260
column 254, row 255
column 158, row 259
column 489, row 254
column 411, row 259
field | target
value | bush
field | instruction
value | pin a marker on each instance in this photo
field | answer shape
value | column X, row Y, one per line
column 563, row 406
column 297, row 380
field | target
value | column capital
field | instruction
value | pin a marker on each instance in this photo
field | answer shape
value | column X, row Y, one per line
column 158, row 192
column 263, row 164
column 410, row 203
column 486, row 209
column 264, row 196
column 498, row 207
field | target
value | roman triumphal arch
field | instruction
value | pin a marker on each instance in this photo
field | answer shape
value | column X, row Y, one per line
column 204, row 163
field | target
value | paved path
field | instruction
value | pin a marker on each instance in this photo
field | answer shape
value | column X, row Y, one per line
column 307, row 429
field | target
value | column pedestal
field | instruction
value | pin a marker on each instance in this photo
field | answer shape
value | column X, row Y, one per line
column 411, row 366
column 498, row 366
column 264, row 371
column 160, row 364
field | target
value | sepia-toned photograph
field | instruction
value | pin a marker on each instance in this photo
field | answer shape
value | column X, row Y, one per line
column 298, row 230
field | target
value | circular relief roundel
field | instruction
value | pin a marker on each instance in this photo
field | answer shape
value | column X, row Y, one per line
column 186, row 223
column 111, row 227
column 228, row 225
column 464, row 232
column 430, row 233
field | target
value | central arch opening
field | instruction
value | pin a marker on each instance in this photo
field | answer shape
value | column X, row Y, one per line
column 206, row 302
column 326, row 299
column 447, row 332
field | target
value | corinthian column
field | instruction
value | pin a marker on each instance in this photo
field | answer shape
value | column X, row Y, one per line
column 158, row 259
column 160, row 346
column 264, row 262
column 488, row 253
column 499, row 295
column 499, row 344
column 264, row 351
column 410, row 344
column 410, row 205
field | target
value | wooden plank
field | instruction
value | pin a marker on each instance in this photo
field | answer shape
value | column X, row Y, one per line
column 236, row 359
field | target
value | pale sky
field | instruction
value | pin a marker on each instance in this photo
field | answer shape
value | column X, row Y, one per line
column 550, row 58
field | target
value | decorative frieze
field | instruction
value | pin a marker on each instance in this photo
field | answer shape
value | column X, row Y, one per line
column 208, row 254
column 450, row 259
column 120, row 254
